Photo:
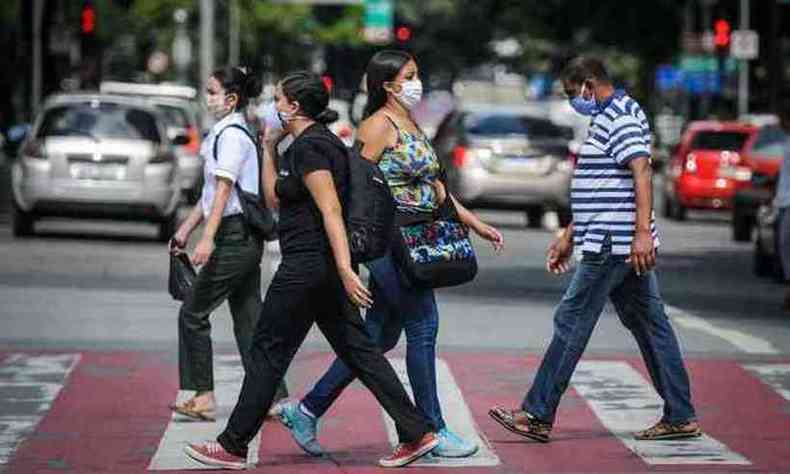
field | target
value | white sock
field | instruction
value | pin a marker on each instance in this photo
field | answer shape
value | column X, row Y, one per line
column 304, row 410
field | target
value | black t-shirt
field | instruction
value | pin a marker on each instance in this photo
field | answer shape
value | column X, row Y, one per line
column 301, row 226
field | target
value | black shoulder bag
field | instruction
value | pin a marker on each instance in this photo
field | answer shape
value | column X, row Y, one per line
column 256, row 214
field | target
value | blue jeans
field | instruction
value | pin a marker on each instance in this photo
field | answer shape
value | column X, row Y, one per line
column 396, row 308
column 638, row 304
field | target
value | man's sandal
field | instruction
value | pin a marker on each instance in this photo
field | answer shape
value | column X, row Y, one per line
column 521, row 423
column 665, row 431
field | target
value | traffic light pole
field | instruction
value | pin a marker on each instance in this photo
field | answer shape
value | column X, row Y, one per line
column 38, row 55
column 743, row 66
column 206, row 42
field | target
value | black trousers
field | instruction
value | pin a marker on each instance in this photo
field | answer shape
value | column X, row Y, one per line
column 308, row 289
column 232, row 273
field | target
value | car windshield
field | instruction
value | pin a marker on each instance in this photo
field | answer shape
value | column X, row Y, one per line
column 732, row 141
column 770, row 143
column 174, row 116
column 507, row 124
column 99, row 121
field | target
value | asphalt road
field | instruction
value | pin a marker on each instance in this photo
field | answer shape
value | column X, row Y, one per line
column 88, row 284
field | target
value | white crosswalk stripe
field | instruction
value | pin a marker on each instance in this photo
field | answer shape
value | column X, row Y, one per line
column 625, row 402
column 228, row 376
column 777, row 376
column 29, row 384
column 457, row 416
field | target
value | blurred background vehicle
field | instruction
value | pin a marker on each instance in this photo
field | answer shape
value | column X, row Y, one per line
column 507, row 157
column 342, row 127
column 763, row 155
column 708, row 167
column 97, row 156
column 182, row 114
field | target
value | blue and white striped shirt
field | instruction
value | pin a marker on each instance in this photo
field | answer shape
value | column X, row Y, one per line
column 603, row 200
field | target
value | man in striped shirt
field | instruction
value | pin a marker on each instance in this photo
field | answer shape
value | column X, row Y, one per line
column 614, row 231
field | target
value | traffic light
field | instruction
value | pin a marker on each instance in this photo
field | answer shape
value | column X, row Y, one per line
column 721, row 34
column 328, row 82
column 88, row 19
column 403, row 34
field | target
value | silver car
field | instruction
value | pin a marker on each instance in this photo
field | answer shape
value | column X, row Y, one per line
column 97, row 156
column 507, row 157
column 182, row 115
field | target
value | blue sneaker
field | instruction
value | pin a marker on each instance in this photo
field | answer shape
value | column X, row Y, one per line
column 453, row 446
column 303, row 428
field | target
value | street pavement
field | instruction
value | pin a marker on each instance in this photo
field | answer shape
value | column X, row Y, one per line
column 88, row 361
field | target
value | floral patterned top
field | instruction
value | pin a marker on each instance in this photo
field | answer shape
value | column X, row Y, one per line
column 410, row 167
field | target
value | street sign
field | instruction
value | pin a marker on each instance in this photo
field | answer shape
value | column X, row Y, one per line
column 378, row 21
column 745, row 44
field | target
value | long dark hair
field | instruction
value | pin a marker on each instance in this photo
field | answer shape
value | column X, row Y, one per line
column 310, row 91
column 383, row 67
column 240, row 81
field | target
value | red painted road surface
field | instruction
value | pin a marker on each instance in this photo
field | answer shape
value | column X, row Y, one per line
column 112, row 412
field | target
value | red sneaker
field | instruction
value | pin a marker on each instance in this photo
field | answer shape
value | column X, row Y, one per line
column 211, row 453
column 406, row 453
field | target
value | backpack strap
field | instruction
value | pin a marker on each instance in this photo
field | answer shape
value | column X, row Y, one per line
column 255, row 145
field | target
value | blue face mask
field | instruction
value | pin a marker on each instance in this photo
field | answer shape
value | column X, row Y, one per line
column 584, row 106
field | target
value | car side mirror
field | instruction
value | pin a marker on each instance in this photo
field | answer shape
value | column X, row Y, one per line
column 180, row 140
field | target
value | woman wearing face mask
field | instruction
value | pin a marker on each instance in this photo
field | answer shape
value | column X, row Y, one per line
column 392, row 139
column 314, row 283
column 228, row 251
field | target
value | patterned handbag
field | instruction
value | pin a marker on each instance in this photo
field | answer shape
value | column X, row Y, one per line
column 433, row 250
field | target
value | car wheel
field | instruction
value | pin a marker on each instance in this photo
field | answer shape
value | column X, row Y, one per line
column 535, row 217
column 741, row 227
column 22, row 222
column 763, row 267
column 167, row 228
column 666, row 209
column 678, row 211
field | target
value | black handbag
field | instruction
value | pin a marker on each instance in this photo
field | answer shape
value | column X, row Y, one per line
column 433, row 249
column 257, row 216
column 182, row 276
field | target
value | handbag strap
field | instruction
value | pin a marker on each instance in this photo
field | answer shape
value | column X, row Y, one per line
column 255, row 145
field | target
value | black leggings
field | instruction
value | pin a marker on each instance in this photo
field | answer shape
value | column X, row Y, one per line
column 308, row 289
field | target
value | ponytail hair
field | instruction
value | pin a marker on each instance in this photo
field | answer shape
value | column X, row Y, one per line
column 383, row 67
column 310, row 91
column 240, row 81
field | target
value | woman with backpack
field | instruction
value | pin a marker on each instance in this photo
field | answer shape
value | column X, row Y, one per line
column 315, row 282
column 391, row 138
column 228, row 251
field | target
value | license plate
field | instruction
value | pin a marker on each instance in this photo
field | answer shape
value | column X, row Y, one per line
column 521, row 164
column 98, row 171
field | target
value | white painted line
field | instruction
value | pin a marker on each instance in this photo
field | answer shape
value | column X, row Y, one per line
column 625, row 403
column 457, row 415
column 228, row 376
column 777, row 376
column 743, row 341
column 28, row 387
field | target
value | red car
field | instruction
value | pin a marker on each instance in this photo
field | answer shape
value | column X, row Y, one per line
column 710, row 165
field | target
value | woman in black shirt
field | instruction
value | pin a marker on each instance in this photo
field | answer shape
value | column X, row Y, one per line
column 314, row 283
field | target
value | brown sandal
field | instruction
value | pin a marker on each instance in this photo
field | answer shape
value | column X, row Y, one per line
column 188, row 409
column 666, row 431
column 521, row 423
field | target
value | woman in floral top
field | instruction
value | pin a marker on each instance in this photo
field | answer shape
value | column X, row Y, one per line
column 391, row 138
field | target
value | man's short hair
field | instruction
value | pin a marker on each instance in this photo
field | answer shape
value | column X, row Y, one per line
column 583, row 68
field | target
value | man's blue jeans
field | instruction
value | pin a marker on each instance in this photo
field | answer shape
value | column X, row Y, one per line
column 396, row 308
column 638, row 304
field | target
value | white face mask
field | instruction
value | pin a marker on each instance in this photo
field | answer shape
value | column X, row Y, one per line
column 215, row 103
column 273, row 119
column 410, row 93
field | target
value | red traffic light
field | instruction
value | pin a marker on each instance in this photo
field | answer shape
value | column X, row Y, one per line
column 721, row 30
column 88, row 20
column 328, row 82
column 403, row 34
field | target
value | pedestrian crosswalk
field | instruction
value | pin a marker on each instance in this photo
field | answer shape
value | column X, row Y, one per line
column 74, row 412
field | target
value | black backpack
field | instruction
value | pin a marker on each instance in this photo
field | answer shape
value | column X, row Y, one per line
column 256, row 214
column 368, row 208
